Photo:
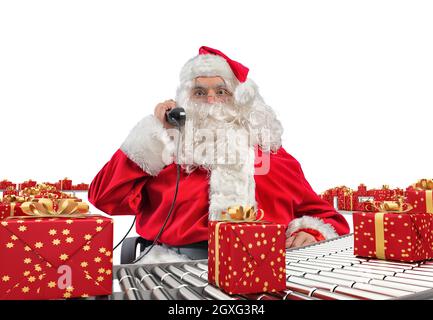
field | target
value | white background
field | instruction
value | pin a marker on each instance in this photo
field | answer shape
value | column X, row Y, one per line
column 351, row 81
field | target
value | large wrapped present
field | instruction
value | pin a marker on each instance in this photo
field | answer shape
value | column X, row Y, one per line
column 391, row 232
column 246, row 256
column 57, row 257
column 420, row 196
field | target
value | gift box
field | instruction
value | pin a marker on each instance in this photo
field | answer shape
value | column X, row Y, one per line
column 81, row 187
column 27, row 184
column 362, row 189
column 55, row 258
column 10, row 191
column 247, row 257
column 4, row 184
column 400, row 236
column 420, row 196
column 65, row 184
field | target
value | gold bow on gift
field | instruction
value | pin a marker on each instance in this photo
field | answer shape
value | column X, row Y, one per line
column 423, row 184
column 45, row 208
column 383, row 208
column 241, row 214
column 14, row 198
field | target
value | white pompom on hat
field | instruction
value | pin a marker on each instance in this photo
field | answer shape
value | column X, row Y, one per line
column 213, row 63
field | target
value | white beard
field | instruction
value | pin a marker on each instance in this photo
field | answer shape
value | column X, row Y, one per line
column 220, row 138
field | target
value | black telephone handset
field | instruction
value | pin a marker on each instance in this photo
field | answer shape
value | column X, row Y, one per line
column 176, row 116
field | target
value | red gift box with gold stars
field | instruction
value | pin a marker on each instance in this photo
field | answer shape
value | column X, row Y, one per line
column 393, row 236
column 247, row 257
column 55, row 258
column 421, row 200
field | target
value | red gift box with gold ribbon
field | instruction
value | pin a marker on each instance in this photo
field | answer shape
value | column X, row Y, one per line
column 247, row 256
column 55, row 258
column 391, row 233
column 420, row 196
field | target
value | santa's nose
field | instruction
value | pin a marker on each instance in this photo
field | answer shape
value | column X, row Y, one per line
column 211, row 99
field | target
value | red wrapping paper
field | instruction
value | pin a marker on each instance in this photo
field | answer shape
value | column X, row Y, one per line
column 55, row 258
column 421, row 200
column 406, row 237
column 251, row 257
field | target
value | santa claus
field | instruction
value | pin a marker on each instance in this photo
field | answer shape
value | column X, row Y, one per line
column 230, row 153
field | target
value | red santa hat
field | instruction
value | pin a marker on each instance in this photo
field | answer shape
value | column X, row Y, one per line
column 213, row 63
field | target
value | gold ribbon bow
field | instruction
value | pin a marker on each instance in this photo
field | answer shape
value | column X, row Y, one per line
column 241, row 214
column 383, row 208
column 45, row 208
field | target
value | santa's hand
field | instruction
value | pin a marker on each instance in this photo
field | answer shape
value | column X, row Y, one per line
column 300, row 239
column 161, row 109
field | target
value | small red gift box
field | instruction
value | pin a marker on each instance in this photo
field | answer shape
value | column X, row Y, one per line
column 81, row 187
column 27, row 184
column 420, row 196
column 247, row 257
column 65, row 184
column 4, row 184
column 393, row 236
column 55, row 258
column 10, row 209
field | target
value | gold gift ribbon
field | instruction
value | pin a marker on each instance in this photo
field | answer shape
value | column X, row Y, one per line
column 234, row 214
column 45, row 208
column 379, row 229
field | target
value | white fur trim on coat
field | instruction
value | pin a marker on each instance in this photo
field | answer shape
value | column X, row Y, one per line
column 149, row 145
column 160, row 254
column 305, row 222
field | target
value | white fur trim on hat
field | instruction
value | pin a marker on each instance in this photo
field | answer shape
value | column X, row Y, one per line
column 206, row 65
column 307, row 222
column 149, row 145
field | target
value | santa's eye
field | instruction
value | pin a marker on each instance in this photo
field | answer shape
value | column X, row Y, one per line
column 222, row 92
column 199, row 93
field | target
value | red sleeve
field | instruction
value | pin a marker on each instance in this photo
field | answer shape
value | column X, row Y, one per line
column 116, row 189
column 315, row 207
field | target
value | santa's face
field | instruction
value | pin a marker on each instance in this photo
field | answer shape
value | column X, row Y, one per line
column 210, row 90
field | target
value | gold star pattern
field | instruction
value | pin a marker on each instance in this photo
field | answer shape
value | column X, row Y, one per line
column 52, row 232
column 63, row 257
column 25, row 289
column 99, row 221
column 22, row 228
column 101, row 270
column 66, row 232
column 108, row 272
column 108, row 253
column 38, row 268
column 69, row 221
column 27, row 260
column 87, row 237
column 102, row 250
column 31, row 279
column 9, row 245
column 56, row 242
column 27, row 248
column 66, row 295
column 70, row 289
column 86, row 248
column 14, row 237
column 4, row 223
column 6, row 278
column 98, row 229
column 97, row 259
column 26, row 273
column 84, row 264
column 51, row 284
column 39, row 245
column 100, row 279
column 69, row 239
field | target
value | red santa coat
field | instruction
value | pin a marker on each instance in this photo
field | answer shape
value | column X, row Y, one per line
column 136, row 182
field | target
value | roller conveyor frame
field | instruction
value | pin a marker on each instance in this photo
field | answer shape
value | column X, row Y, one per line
column 314, row 279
